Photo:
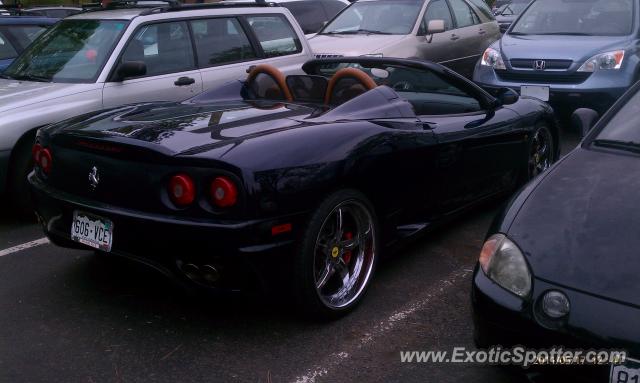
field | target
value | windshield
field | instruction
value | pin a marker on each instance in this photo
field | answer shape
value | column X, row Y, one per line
column 71, row 51
column 571, row 17
column 393, row 17
column 625, row 125
column 512, row 9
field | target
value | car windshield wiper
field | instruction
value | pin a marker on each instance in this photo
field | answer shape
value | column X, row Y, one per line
column 356, row 32
column 565, row 34
column 30, row 77
column 6, row 76
column 629, row 146
column 518, row 33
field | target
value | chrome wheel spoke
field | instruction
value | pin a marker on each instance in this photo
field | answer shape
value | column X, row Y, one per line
column 327, row 273
column 351, row 244
column 343, row 273
column 339, row 225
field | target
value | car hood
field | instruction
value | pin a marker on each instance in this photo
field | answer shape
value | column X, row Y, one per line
column 352, row 45
column 579, row 227
column 17, row 94
column 576, row 48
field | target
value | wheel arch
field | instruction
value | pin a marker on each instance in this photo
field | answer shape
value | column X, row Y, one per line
column 27, row 138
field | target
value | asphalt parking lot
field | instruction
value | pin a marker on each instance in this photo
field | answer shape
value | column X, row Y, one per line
column 82, row 318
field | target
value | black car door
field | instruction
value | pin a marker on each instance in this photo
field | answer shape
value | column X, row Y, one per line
column 480, row 148
column 480, row 154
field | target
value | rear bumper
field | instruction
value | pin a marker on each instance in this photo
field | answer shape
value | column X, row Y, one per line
column 167, row 243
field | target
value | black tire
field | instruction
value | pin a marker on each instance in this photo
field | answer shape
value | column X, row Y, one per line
column 309, row 254
column 540, row 137
column 19, row 168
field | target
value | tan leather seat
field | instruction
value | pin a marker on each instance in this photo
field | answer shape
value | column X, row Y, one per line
column 362, row 78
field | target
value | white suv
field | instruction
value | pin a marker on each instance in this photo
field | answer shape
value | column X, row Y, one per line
column 107, row 58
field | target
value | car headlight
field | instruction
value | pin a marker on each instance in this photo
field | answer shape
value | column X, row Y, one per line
column 609, row 60
column 503, row 262
column 492, row 58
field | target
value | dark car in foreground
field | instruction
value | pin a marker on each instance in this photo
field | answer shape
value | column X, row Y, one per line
column 314, row 174
column 560, row 263
column 571, row 53
column 16, row 33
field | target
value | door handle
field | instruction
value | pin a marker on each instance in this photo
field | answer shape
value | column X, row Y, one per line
column 184, row 81
column 455, row 37
column 482, row 31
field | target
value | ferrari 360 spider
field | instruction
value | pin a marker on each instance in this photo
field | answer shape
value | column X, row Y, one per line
column 314, row 173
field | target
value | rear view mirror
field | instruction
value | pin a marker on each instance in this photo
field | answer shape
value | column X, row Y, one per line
column 128, row 69
column 435, row 26
column 583, row 120
column 507, row 96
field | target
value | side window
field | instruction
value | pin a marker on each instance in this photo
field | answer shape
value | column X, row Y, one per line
column 333, row 7
column 430, row 94
column 25, row 34
column 465, row 16
column 7, row 50
column 164, row 48
column 437, row 10
column 309, row 14
column 221, row 41
column 484, row 8
column 276, row 36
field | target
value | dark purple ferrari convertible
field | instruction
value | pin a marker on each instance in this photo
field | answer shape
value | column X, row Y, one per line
column 310, row 175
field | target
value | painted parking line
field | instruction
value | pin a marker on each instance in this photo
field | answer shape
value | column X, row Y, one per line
column 378, row 332
column 24, row 246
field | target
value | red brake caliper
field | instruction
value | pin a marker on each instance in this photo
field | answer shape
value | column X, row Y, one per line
column 347, row 254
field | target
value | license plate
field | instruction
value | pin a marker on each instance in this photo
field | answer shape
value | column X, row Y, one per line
column 629, row 372
column 92, row 230
column 539, row 92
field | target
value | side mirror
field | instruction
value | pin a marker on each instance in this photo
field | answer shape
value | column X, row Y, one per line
column 583, row 120
column 507, row 96
column 128, row 69
column 435, row 26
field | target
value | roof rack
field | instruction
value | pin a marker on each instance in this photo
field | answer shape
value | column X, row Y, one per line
column 169, row 5
column 220, row 5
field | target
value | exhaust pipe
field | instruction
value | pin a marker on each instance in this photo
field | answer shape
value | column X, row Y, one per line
column 206, row 274
column 210, row 273
column 191, row 271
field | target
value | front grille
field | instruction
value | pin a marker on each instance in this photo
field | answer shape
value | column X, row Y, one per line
column 549, row 64
column 542, row 77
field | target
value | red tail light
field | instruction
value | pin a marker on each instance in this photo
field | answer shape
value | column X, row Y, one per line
column 182, row 190
column 223, row 192
column 45, row 160
column 35, row 153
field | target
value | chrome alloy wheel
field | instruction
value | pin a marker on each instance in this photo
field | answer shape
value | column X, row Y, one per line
column 344, row 254
column 541, row 156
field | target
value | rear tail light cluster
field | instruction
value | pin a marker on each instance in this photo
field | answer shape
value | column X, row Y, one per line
column 182, row 190
column 42, row 158
column 223, row 192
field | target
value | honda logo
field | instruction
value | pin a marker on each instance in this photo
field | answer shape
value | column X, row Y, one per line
column 539, row 65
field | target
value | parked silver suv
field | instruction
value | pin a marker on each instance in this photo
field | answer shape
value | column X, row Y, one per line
column 108, row 58
column 451, row 32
